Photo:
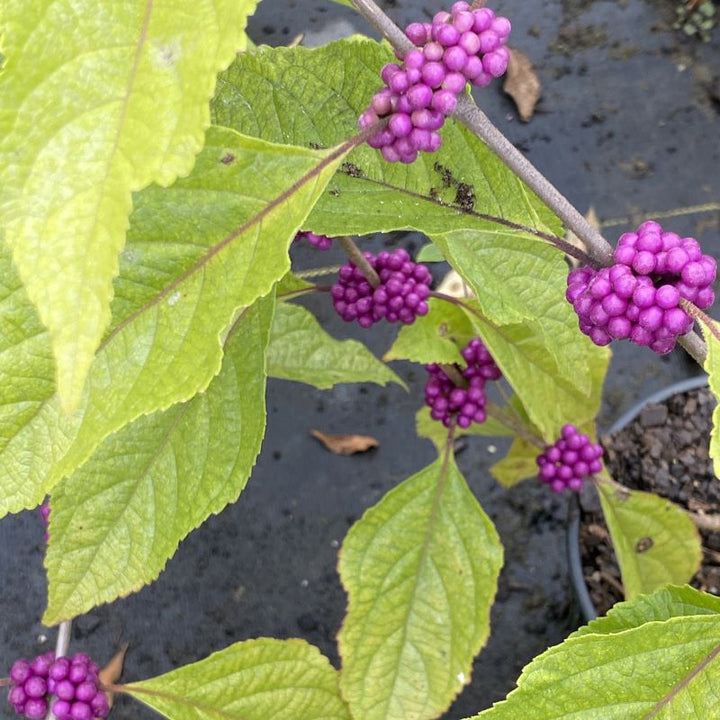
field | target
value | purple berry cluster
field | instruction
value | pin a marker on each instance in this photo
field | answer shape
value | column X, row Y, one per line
column 464, row 405
column 464, row 45
column 639, row 296
column 321, row 242
column 572, row 458
column 73, row 682
column 401, row 295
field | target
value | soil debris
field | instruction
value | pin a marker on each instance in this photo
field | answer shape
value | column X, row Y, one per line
column 345, row 444
column 522, row 84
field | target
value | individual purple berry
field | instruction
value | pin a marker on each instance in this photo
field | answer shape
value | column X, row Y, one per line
column 321, row 242
column 564, row 464
column 639, row 297
column 61, row 709
column 463, row 405
column 36, row 708
column 401, row 295
column 20, row 671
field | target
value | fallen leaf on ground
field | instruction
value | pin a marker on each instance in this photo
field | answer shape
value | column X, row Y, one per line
column 522, row 84
column 573, row 239
column 345, row 444
column 111, row 673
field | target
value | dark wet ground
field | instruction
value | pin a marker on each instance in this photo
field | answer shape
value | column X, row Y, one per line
column 629, row 122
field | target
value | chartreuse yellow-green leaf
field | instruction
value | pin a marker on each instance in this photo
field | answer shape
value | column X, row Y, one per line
column 437, row 433
column 655, row 541
column 516, row 279
column 436, row 337
column 711, row 332
column 420, row 569
column 301, row 350
column 671, row 601
column 549, row 399
column 519, row 463
column 658, row 668
column 97, row 100
column 27, row 376
column 263, row 679
column 463, row 197
column 197, row 253
column 302, row 96
column 118, row 519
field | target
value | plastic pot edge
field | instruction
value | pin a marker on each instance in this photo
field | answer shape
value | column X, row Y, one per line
column 573, row 533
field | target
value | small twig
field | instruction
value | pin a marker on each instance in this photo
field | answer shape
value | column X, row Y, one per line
column 660, row 214
column 496, row 412
column 711, row 523
column 318, row 272
column 353, row 252
column 610, row 580
column 454, row 374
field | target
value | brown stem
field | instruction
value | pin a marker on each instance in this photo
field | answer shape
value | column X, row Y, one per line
column 353, row 252
column 454, row 374
column 496, row 412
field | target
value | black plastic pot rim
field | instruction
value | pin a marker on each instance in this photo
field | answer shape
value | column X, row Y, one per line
column 573, row 536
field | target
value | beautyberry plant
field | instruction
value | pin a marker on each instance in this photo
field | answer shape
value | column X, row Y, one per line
column 147, row 294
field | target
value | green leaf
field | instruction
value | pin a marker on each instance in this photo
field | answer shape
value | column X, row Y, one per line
column 436, row 432
column 437, row 337
column 671, row 601
column 303, row 96
column 420, row 569
column 549, row 398
column 665, row 669
column 462, row 193
column 711, row 332
column 515, row 280
column 301, row 350
column 290, row 285
column 263, row 679
column 430, row 253
column 655, row 541
column 93, row 106
column 28, row 426
column 118, row 519
column 519, row 463
column 197, row 253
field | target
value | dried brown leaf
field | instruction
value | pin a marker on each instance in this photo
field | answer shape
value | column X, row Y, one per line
column 454, row 286
column 345, row 444
column 522, row 84
column 111, row 673
column 573, row 239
